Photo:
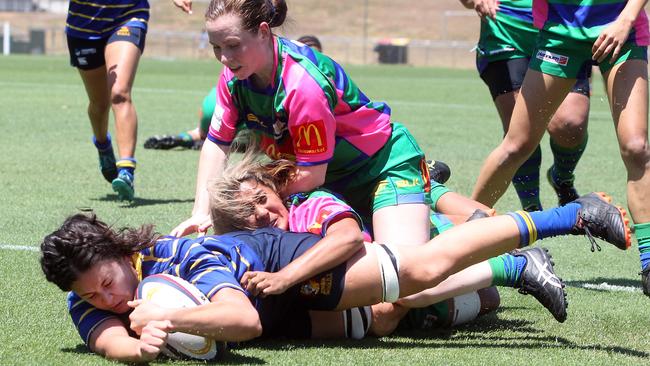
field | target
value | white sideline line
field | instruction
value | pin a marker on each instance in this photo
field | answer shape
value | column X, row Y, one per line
column 19, row 247
column 607, row 287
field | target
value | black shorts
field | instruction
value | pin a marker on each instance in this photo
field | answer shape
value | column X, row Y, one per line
column 87, row 54
column 505, row 76
column 286, row 314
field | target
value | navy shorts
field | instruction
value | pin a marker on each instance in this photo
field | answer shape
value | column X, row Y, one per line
column 286, row 314
column 87, row 54
column 505, row 76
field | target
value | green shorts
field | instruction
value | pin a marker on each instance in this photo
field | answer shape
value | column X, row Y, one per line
column 397, row 174
column 207, row 110
column 567, row 58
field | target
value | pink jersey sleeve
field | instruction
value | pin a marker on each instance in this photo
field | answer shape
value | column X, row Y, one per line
column 314, row 215
column 223, row 125
column 311, row 122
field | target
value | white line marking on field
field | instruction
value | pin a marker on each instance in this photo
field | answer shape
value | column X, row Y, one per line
column 394, row 102
column 19, row 247
column 607, row 287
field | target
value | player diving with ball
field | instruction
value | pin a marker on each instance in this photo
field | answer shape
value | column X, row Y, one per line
column 103, row 266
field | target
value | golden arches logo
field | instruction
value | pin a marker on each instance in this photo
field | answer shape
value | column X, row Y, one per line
column 309, row 138
column 304, row 134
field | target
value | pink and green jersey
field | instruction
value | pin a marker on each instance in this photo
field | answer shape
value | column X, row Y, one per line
column 313, row 212
column 584, row 20
column 313, row 113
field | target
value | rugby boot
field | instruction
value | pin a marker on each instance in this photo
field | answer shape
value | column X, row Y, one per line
column 565, row 191
column 123, row 186
column 438, row 171
column 166, row 142
column 645, row 280
column 597, row 217
column 538, row 278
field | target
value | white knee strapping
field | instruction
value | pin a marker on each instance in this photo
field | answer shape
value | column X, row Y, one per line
column 357, row 321
column 389, row 268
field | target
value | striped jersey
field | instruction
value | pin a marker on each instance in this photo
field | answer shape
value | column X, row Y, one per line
column 313, row 113
column 96, row 19
column 312, row 212
column 584, row 20
column 209, row 263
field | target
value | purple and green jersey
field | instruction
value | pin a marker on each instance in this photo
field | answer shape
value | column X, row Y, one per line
column 99, row 18
column 584, row 20
column 313, row 113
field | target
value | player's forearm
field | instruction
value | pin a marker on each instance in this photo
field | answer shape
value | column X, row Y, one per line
column 343, row 239
column 631, row 11
column 121, row 348
column 223, row 321
column 307, row 179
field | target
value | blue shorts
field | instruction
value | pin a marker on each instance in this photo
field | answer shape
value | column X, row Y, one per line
column 88, row 54
column 287, row 313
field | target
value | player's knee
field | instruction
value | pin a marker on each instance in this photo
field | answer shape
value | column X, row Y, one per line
column 120, row 94
column 518, row 150
column 635, row 152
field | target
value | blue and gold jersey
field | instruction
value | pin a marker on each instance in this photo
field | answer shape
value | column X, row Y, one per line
column 210, row 263
column 96, row 19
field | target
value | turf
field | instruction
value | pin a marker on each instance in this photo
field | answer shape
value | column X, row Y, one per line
column 50, row 170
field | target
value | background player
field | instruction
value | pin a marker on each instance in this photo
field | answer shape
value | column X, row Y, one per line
column 505, row 46
column 615, row 36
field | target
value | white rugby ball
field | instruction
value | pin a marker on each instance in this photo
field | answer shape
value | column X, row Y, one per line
column 174, row 292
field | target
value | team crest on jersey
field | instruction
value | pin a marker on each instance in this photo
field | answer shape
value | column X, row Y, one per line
column 252, row 118
column 319, row 285
column 124, row 32
column 552, row 58
column 309, row 138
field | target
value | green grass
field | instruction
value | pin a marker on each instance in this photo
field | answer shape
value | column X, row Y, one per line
column 49, row 170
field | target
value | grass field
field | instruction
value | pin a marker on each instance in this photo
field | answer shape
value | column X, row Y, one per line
column 49, row 170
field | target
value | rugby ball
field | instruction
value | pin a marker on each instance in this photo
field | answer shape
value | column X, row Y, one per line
column 174, row 292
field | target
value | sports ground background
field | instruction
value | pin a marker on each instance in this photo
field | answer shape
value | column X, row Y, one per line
column 48, row 170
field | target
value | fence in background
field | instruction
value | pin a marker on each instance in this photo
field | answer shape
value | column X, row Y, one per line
column 346, row 50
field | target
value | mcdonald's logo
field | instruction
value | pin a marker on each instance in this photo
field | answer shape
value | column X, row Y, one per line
column 310, row 138
column 275, row 151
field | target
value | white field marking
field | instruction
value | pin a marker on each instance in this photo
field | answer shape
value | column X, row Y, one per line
column 607, row 287
column 24, row 248
column 393, row 102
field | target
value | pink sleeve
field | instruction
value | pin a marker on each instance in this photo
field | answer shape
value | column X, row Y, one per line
column 223, row 125
column 315, row 214
column 311, row 121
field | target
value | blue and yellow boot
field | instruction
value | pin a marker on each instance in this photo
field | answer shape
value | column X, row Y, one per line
column 123, row 184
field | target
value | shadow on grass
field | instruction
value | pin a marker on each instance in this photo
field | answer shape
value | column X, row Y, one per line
column 601, row 284
column 474, row 335
column 139, row 201
column 231, row 358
